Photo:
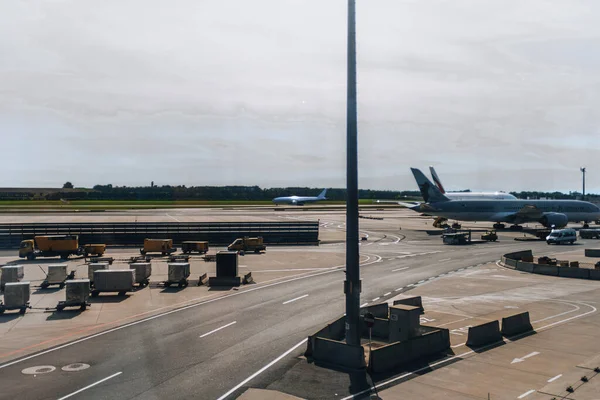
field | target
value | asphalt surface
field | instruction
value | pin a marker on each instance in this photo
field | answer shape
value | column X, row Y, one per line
column 184, row 354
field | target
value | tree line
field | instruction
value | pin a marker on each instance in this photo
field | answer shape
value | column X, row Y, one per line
column 235, row 193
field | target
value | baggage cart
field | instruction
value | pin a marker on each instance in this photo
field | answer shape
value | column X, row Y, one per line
column 77, row 295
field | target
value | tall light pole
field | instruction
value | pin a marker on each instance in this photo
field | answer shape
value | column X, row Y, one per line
column 582, row 169
column 352, row 286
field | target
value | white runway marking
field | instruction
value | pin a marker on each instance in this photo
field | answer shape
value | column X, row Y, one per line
column 388, row 293
column 399, row 289
column 90, row 386
column 553, row 379
column 376, row 298
column 526, row 394
column 362, row 305
column 168, row 215
column 445, row 259
column 400, row 269
column 297, row 298
column 218, row 329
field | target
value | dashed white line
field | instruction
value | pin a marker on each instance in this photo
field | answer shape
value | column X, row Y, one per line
column 410, row 285
column 388, row 293
column 399, row 289
column 553, row 379
column 526, row 394
column 362, row 305
column 218, row 329
column 461, row 269
column 445, row 259
column 376, row 298
column 90, row 386
column 297, row 298
column 421, row 281
column 399, row 269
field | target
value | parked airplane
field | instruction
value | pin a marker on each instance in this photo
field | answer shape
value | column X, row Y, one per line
column 550, row 213
column 300, row 200
column 469, row 195
column 457, row 195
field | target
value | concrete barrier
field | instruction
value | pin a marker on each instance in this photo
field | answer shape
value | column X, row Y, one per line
column 378, row 310
column 335, row 330
column 519, row 255
column 516, row 324
column 525, row 266
column 595, row 274
column 592, row 252
column 338, row 354
column 545, row 269
column 203, row 279
column 580, row 273
column 388, row 357
column 484, row 334
column 411, row 301
column 509, row 262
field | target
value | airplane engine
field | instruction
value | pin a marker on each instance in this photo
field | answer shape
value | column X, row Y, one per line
column 553, row 219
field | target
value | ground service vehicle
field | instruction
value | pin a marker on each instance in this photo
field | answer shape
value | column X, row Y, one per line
column 589, row 233
column 163, row 246
column 247, row 244
column 56, row 245
column 95, row 249
column 560, row 236
column 190, row 246
column 489, row 236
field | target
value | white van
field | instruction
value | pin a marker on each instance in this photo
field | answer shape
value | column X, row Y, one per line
column 560, row 236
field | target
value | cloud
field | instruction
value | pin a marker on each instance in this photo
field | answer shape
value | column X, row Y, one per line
column 497, row 95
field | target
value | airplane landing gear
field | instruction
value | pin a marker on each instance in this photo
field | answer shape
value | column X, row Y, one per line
column 499, row 226
column 586, row 225
column 516, row 228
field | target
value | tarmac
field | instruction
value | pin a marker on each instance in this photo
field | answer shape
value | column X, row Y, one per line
column 248, row 343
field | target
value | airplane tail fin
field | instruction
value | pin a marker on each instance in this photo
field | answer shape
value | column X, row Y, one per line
column 322, row 194
column 430, row 192
column 436, row 180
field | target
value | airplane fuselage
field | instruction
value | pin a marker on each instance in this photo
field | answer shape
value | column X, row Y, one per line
column 296, row 200
column 504, row 210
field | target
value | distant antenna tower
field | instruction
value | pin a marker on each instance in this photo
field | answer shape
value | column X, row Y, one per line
column 582, row 169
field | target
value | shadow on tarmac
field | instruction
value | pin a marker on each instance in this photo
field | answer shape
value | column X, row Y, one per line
column 9, row 316
column 64, row 314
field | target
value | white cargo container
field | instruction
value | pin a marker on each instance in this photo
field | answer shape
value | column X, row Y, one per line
column 178, row 273
column 16, row 296
column 77, row 294
column 78, row 291
column 93, row 267
column 57, row 275
column 142, row 272
column 11, row 273
column 113, row 280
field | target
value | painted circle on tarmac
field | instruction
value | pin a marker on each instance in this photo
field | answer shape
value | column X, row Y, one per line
column 75, row 367
column 41, row 369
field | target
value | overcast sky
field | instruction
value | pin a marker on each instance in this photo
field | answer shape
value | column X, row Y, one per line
column 497, row 94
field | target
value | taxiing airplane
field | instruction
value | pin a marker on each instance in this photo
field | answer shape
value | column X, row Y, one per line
column 469, row 195
column 300, row 200
column 550, row 213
